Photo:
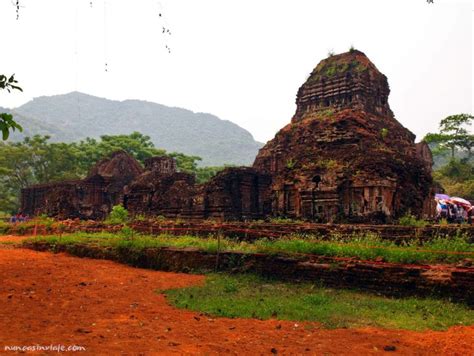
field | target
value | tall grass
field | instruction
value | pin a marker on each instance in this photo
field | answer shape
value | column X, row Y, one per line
column 364, row 247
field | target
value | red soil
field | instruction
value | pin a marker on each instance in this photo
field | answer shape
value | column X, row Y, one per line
column 110, row 308
column 13, row 239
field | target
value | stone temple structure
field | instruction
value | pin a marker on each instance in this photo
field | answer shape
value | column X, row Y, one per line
column 343, row 157
column 156, row 189
column 90, row 198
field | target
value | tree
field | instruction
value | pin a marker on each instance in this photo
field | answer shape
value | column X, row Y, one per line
column 34, row 160
column 466, row 142
column 457, row 178
column 136, row 144
column 453, row 134
column 453, row 139
column 7, row 123
column 456, row 135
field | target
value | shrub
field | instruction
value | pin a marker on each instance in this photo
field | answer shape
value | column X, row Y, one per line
column 4, row 227
column 326, row 113
column 411, row 220
column 283, row 220
column 160, row 219
column 290, row 164
column 127, row 232
column 180, row 221
column 118, row 215
column 139, row 217
column 331, row 70
column 443, row 222
column 60, row 227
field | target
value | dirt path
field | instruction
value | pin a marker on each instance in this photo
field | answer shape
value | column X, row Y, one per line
column 109, row 308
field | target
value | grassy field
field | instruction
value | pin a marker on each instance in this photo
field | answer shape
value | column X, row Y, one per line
column 364, row 247
column 248, row 296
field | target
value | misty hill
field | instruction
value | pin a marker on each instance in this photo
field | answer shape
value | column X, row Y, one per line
column 75, row 116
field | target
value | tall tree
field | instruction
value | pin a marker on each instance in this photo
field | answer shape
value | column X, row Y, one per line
column 453, row 134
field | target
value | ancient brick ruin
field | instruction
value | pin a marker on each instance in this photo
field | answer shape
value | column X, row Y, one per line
column 157, row 189
column 343, row 157
column 90, row 198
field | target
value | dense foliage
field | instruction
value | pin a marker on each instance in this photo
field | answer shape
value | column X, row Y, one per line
column 452, row 150
column 37, row 160
column 457, row 178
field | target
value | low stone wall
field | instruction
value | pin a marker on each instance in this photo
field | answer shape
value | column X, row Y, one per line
column 251, row 231
column 456, row 283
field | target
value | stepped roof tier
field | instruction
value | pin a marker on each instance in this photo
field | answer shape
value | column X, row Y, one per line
column 344, row 81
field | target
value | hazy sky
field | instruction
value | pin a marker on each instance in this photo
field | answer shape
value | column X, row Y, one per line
column 241, row 60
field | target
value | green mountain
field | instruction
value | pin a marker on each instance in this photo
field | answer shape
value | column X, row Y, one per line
column 75, row 116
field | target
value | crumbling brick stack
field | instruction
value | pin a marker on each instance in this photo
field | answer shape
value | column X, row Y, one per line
column 160, row 189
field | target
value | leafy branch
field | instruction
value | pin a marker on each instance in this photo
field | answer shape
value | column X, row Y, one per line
column 7, row 123
column 9, row 83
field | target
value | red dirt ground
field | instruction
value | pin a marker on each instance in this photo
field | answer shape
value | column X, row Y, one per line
column 110, row 308
column 13, row 238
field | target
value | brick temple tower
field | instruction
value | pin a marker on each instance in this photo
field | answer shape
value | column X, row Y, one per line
column 344, row 157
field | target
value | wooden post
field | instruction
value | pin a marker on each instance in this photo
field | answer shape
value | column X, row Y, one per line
column 218, row 250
